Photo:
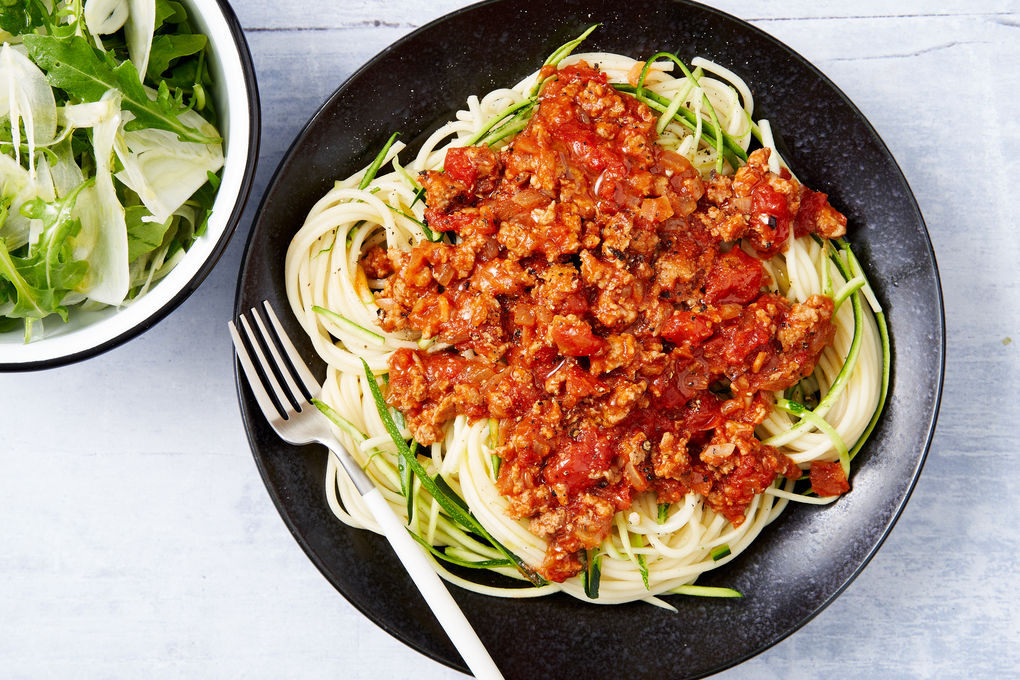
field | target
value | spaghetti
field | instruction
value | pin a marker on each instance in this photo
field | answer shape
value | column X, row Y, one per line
column 337, row 278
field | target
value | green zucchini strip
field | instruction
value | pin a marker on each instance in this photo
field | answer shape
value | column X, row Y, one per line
column 719, row 552
column 452, row 504
column 591, row 572
column 707, row 591
column 693, row 79
column 731, row 150
column 799, row 410
column 343, row 322
column 377, row 162
column 842, row 378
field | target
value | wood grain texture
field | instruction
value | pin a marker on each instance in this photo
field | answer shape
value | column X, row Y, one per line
column 136, row 538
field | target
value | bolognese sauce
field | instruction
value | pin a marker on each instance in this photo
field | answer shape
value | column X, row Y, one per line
column 595, row 298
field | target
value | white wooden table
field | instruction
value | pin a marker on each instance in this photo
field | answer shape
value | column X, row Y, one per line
column 137, row 540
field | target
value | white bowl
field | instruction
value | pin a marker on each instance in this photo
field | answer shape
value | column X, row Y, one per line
column 237, row 102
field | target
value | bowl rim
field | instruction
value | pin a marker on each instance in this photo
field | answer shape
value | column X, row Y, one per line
column 37, row 359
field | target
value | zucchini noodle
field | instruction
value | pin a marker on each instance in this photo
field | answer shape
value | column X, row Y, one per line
column 333, row 301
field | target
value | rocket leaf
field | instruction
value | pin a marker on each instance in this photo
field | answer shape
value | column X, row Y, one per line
column 166, row 48
column 143, row 236
column 38, row 282
column 77, row 68
column 21, row 16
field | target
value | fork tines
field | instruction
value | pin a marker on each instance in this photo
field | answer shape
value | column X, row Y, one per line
column 287, row 367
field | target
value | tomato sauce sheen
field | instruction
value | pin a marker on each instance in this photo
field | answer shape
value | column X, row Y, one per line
column 595, row 300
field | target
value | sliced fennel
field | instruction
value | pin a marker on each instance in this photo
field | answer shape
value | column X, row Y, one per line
column 107, row 281
column 138, row 30
column 104, row 17
column 163, row 170
column 105, row 122
column 28, row 103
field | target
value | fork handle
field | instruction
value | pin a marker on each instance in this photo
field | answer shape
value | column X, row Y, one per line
column 432, row 589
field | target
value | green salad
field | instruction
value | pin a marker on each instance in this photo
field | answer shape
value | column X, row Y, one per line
column 108, row 152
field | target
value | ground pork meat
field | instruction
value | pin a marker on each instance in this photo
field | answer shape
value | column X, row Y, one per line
column 376, row 263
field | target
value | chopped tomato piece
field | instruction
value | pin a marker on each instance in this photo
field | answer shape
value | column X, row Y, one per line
column 816, row 216
column 575, row 338
column 578, row 462
column 827, row 479
column 771, row 212
column 688, row 327
column 735, row 277
column 460, row 165
column 703, row 412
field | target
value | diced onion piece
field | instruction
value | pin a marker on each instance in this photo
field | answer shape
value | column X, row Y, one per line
column 530, row 198
column 635, row 477
column 723, row 450
column 742, row 203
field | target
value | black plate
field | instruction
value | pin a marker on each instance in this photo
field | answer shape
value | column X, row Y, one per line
column 803, row 560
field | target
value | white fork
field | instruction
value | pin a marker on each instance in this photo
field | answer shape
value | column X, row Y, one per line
column 301, row 423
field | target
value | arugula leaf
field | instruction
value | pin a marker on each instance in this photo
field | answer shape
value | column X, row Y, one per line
column 168, row 11
column 42, row 279
column 205, row 196
column 77, row 68
column 21, row 16
column 8, row 293
column 66, row 18
column 143, row 237
column 166, row 48
column 184, row 73
column 34, row 298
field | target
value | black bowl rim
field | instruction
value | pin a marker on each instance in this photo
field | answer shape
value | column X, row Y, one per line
column 247, row 181
column 242, row 386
